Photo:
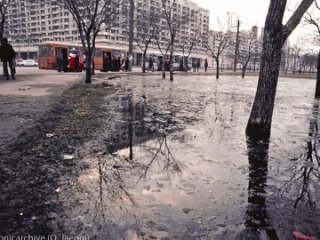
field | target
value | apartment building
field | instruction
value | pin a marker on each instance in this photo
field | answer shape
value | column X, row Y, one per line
column 246, row 38
column 31, row 22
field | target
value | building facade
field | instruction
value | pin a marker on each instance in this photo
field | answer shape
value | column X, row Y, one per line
column 247, row 39
column 31, row 22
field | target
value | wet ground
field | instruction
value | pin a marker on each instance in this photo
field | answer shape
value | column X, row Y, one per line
column 145, row 158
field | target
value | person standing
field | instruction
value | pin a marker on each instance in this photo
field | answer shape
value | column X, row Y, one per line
column 7, row 55
column 126, row 64
column 150, row 67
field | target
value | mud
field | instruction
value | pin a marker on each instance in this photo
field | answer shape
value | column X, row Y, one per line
column 145, row 158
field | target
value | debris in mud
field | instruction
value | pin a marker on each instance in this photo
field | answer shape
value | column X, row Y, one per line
column 222, row 225
column 187, row 210
column 24, row 88
column 68, row 157
column 49, row 135
column 113, row 77
column 300, row 236
column 105, row 84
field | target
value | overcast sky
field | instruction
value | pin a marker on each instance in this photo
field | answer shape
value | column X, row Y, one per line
column 250, row 13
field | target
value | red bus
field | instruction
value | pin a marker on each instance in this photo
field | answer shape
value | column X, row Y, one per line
column 106, row 58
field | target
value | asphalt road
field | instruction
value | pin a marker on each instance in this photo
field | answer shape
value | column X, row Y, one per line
column 23, row 100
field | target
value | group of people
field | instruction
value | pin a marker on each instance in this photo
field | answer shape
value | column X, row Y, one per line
column 196, row 65
column 63, row 61
column 114, row 64
column 7, row 56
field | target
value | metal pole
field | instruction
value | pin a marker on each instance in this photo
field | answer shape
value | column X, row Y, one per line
column 237, row 49
column 131, row 32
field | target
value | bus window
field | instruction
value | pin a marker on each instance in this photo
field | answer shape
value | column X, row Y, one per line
column 116, row 54
column 45, row 51
column 98, row 52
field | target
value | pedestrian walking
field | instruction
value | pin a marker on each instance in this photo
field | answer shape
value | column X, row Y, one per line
column 59, row 60
column 7, row 55
column 194, row 65
column 198, row 65
column 77, row 63
column 205, row 65
column 150, row 67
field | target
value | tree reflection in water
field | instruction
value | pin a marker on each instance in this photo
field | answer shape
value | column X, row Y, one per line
column 307, row 168
column 257, row 220
column 308, row 165
column 112, row 174
column 300, row 189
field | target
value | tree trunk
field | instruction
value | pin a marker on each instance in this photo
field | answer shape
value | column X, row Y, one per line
column 317, row 95
column 162, row 68
column 131, row 32
column 259, row 124
column 92, row 58
column 144, row 61
column 217, row 68
column 185, row 64
column 243, row 71
column 3, row 20
column 88, row 66
column 171, row 63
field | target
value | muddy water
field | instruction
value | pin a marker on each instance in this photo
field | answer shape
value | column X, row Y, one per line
column 183, row 169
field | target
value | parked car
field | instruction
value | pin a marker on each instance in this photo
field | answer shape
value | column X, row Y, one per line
column 27, row 63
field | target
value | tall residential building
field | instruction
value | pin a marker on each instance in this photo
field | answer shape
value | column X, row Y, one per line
column 31, row 22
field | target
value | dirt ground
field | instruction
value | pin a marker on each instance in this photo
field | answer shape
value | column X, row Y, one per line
column 32, row 159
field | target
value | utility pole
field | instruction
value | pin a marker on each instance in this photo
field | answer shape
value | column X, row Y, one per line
column 237, row 48
column 131, row 32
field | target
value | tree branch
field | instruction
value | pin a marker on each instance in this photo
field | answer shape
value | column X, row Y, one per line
column 295, row 18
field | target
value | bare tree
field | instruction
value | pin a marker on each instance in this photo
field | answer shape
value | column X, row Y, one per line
column 188, row 45
column 216, row 45
column 287, row 58
column 316, row 23
column 245, row 52
column 218, row 42
column 4, row 4
column 295, row 56
column 275, row 35
column 148, row 30
column 311, row 60
column 174, row 21
column 256, row 54
column 91, row 16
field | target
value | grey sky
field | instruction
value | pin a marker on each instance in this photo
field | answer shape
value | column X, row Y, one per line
column 250, row 12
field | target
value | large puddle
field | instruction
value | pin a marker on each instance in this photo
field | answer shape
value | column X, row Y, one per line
column 184, row 169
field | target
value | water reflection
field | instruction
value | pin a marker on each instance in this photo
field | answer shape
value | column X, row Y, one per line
column 257, row 220
column 113, row 174
column 307, row 166
column 142, row 127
